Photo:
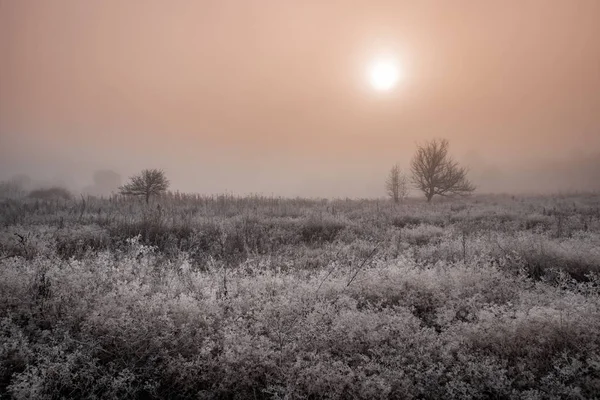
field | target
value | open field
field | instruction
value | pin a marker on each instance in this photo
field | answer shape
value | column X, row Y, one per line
column 265, row 298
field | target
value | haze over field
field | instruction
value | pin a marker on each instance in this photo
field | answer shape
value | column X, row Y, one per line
column 273, row 96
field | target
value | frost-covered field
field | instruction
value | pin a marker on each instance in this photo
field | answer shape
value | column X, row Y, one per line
column 259, row 298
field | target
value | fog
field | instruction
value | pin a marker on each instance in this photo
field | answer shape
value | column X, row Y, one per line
column 271, row 96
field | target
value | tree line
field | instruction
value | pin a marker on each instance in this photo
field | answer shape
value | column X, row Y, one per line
column 432, row 171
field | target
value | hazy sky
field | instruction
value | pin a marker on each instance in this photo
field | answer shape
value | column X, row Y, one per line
column 271, row 96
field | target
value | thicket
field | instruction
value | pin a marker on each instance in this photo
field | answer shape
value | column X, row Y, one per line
column 267, row 298
column 56, row 192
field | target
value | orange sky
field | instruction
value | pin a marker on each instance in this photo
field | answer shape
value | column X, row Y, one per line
column 271, row 96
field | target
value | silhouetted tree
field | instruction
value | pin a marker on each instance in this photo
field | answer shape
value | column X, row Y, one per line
column 396, row 184
column 11, row 189
column 23, row 181
column 435, row 173
column 15, row 187
column 105, row 183
column 149, row 182
column 107, row 180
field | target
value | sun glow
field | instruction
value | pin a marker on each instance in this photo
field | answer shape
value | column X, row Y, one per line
column 384, row 74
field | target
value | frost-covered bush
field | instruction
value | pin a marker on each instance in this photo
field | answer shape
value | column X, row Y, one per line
column 542, row 257
column 131, row 325
column 273, row 299
column 53, row 193
column 316, row 230
column 421, row 235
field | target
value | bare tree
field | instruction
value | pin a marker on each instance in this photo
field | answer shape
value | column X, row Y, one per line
column 396, row 184
column 434, row 172
column 149, row 182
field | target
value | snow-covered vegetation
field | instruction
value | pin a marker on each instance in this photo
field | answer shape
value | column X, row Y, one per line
column 266, row 298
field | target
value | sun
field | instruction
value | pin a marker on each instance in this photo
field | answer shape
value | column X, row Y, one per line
column 384, row 74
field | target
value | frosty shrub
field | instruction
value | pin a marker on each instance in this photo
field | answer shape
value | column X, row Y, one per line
column 53, row 193
column 230, row 298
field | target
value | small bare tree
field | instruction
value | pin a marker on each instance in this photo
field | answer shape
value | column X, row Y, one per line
column 149, row 182
column 396, row 184
column 434, row 172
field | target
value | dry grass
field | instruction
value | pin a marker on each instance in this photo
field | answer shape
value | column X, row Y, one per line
column 224, row 297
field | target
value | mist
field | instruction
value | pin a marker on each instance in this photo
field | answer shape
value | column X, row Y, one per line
column 271, row 97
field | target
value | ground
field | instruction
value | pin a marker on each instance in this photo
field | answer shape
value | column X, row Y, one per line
column 266, row 298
